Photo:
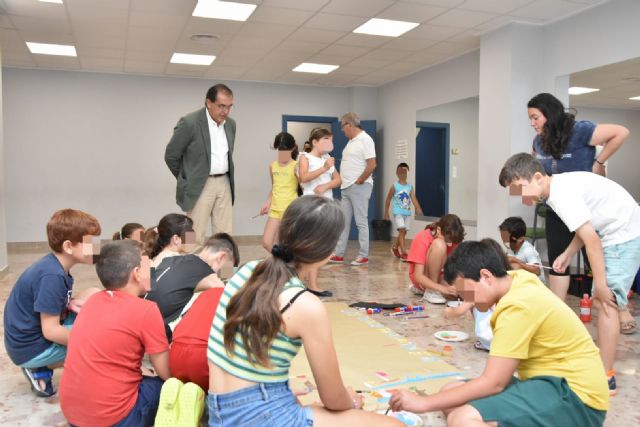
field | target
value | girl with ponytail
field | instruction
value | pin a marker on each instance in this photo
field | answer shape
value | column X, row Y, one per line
column 264, row 316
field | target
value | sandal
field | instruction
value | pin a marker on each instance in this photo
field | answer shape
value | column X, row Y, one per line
column 478, row 346
column 40, row 374
column 628, row 327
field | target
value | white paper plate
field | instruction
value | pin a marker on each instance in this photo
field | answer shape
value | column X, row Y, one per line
column 451, row 336
column 408, row 418
column 453, row 304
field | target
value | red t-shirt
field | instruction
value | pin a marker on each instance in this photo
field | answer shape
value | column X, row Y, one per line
column 113, row 331
column 195, row 326
column 418, row 251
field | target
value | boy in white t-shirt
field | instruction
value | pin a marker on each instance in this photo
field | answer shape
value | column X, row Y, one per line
column 521, row 254
column 606, row 220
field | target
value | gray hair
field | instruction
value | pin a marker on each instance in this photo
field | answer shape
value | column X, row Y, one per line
column 351, row 118
column 519, row 166
column 117, row 260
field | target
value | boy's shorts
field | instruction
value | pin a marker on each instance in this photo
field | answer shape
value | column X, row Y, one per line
column 621, row 264
column 401, row 221
column 54, row 354
column 538, row 401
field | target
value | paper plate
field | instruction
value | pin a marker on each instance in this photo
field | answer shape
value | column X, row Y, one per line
column 451, row 336
column 408, row 418
column 453, row 304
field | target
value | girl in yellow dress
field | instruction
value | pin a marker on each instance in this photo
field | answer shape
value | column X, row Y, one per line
column 284, row 187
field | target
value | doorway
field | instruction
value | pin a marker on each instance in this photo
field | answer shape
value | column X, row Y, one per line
column 432, row 167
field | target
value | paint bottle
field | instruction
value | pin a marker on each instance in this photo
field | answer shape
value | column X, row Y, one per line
column 374, row 310
column 417, row 307
column 447, row 350
column 585, row 309
column 401, row 309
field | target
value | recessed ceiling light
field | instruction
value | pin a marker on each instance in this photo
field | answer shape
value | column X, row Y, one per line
column 385, row 27
column 52, row 49
column 309, row 67
column 635, row 98
column 577, row 90
column 52, row 1
column 223, row 10
column 188, row 58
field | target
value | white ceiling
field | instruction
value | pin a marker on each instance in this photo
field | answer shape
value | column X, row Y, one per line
column 617, row 83
column 139, row 36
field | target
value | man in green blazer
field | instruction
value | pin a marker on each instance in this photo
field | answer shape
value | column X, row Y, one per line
column 200, row 156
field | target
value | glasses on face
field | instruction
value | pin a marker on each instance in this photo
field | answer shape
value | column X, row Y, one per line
column 343, row 125
column 223, row 107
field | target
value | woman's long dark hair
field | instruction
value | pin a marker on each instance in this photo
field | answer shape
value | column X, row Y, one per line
column 557, row 130
column 170, row 225
column 308, row 233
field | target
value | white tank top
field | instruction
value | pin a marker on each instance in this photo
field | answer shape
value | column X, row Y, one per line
column 316, row 163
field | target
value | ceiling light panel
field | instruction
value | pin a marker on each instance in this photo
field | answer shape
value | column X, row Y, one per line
column 52, row 49
column 385, row 27
column 309, row 67
column 578, row 90
column 223, row 10
column 187, row 58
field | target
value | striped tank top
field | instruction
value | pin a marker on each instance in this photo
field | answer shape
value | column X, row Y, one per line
column 283, row 348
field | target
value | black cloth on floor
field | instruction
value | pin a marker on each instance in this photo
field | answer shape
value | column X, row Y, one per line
column 362, row 304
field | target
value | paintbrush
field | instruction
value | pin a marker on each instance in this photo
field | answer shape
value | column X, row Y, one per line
column 540, row 265
column 387, row 411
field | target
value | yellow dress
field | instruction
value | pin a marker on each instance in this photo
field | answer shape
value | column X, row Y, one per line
column 284, row 189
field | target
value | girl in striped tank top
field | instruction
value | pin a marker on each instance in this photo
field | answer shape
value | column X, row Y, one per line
column 264, row 316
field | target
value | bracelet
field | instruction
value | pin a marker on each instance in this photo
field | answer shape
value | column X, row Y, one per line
column 599, row 162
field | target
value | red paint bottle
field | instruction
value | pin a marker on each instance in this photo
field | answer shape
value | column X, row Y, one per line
column 585, row 309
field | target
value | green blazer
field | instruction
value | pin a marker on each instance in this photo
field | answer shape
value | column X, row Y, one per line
column 188, row 156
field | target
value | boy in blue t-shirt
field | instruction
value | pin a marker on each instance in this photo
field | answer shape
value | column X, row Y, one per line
column 402, row 195
column 40, row 309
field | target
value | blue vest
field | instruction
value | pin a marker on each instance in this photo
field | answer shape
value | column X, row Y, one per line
column 578, row 156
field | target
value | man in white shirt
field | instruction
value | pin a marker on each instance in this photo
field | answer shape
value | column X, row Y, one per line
column 358, row 163
column 200, row 156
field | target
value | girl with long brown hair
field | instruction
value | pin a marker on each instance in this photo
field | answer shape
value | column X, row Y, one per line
column 264, row 316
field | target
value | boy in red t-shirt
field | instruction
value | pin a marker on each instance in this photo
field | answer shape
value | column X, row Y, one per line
column 427, row 255
column 102, row 383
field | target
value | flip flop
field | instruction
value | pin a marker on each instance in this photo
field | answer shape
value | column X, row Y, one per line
column 35, row 375
column 628, row 327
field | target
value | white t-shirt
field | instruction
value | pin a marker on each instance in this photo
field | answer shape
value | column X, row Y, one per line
column 316, row 163
column 529, row 255
column 354, row 159
column 578, row 197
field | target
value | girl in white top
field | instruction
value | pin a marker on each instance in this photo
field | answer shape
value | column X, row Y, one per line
column 318, row 176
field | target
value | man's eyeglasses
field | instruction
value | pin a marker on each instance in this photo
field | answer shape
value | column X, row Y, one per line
column 223, row 107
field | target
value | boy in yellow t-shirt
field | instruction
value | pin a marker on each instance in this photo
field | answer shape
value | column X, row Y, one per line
column 561, row 377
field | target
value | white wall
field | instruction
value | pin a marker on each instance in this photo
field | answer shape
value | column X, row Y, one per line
column 623, row 166
column 3, row 231
column 96, row 142
column 401, row 100
column 462, row 117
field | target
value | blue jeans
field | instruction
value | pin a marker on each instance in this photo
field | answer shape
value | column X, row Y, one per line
column 144, row 411
column 355, row 201
column 621, row 264
column 265, row 404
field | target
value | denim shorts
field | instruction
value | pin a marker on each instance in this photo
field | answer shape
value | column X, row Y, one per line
column 265, row 404
column 621, row 263
column 55, row 353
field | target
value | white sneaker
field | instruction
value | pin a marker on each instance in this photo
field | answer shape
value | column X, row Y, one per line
column 415, row 290
column 434, row 297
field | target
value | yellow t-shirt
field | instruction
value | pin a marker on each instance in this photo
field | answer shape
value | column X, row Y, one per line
column 285, row 186
column 530, row 323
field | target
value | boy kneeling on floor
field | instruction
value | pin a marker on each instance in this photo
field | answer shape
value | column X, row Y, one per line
column 561, row 381
column 102, row 384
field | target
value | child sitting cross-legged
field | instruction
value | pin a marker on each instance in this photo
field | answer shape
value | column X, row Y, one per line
column 561, row 379
column 520, row 252
column 102, row 384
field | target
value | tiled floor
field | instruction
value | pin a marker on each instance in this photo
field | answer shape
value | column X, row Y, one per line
column 384, row 280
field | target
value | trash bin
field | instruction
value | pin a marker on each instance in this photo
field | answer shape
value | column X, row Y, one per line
column 381, row 229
